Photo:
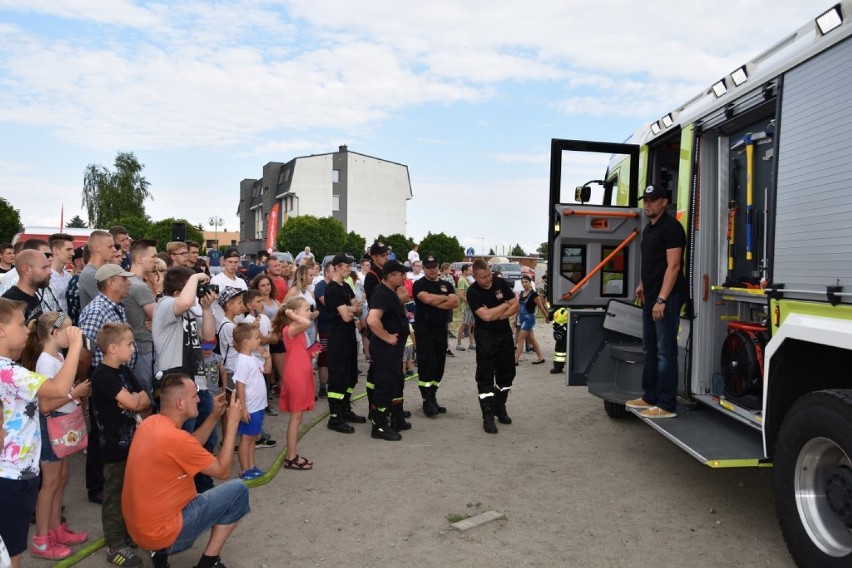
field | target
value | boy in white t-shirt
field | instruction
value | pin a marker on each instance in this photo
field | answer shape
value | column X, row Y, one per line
column 256, row 316
column 231, row 301
column 251, row 391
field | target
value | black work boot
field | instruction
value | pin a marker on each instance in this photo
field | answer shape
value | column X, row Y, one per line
column 335, row 421
column 381, row 428
column 487, row 406
column 557, row 368
column 429, row 408
column 397, row 419
column 500, row 406
column 441, row 409
column 347, row 414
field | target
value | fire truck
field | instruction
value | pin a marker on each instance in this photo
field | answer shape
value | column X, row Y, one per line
column 758, row 167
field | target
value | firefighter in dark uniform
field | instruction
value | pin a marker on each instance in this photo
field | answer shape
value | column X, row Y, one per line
column 378, row 258
column 559, row 317
column 388, row 324
column 493, row 304
column 434, row 299
column 343, row 309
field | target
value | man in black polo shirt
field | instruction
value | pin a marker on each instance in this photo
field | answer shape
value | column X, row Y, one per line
column 388, row 322
column 434, row 300
column 661, row 292
column 493, row 304
column 342, row 347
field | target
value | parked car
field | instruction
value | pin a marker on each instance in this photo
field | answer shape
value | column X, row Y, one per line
column 283, row 256
column 511, row 271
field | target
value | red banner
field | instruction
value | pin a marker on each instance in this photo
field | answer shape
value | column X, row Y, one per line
column 272, row 229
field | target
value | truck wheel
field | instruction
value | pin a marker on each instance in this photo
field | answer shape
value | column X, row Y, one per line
column 614, row 410
column 812, row 480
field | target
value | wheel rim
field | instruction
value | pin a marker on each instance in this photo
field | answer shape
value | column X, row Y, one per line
column 817, row 461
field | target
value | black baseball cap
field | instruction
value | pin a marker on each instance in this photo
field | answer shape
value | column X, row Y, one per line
column 394, row 266
column 78, row 252
column 430, row 261
column 378, row 247
column 231, row 253
column 653, row 193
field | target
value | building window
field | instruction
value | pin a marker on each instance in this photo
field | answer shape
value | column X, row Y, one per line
column 258, row 223
column 335, row 202
column 335, row 176
column 287, row 174
column 281, row 177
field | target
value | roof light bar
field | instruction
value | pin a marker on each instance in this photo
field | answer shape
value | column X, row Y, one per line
column 830, row 19
column 739, row 76
column 655, row 128
column 720, row 88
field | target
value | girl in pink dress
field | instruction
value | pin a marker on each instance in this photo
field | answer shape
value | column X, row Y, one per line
column 297, row 381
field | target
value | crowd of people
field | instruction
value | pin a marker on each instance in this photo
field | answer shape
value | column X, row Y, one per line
column 169, row 355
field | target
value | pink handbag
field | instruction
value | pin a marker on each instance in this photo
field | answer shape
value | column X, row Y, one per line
column 67, row 432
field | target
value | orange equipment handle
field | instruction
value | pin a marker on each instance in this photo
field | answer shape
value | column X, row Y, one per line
column 601, row 264
column 628, row 214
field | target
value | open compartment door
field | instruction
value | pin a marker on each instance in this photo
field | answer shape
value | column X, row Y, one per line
column 594, row 233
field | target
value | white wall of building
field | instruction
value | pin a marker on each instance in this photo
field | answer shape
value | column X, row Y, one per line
column 312, row 184
column 377, row 196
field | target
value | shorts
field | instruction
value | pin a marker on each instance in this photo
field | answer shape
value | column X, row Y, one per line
column 254, row 426
column 322, row 358
column 225, row 504
column 408, row 354
column 17, row 501
column 466, row 316
column 47, row 454
column 277, row 347
column 527, row 322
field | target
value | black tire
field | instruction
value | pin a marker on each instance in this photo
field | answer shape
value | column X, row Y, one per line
column 813, row 450
column 615, row 410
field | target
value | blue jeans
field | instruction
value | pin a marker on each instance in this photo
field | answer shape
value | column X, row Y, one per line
column 659, row 346
column 223, row 505
column 205, row 407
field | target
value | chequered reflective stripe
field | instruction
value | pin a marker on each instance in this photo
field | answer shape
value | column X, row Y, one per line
column 558, row 357
column 335, row 395
column 502, row 389
column 427, row 384
column 350, row 390
column 370, row 385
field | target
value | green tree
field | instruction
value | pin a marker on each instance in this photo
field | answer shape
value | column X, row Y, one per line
column 76, row 222
column 491, row 252
column 161, row 231
column 355, row 244
column 400, row 244
column 108, row 195
column 10, row 221
column 445, row 248
column 138, row 227
column 517, row 251
column 324, row 235
column 543, row 250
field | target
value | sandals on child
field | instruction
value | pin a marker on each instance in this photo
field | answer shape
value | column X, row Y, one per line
column 298, row 463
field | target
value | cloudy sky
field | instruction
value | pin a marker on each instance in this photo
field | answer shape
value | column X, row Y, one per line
column 466, row 93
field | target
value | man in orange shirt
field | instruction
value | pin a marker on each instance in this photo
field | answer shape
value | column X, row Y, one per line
column 163, row 511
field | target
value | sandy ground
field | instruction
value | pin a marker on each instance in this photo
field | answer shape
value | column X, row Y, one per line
column 577, row 489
